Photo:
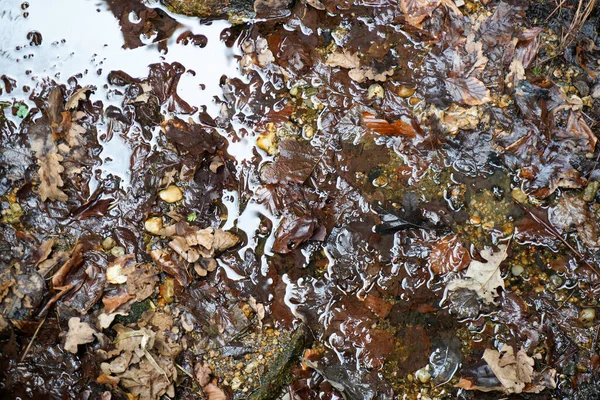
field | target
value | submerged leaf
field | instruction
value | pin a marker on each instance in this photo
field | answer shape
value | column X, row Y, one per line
column 448, row 254
column 470, row 91
column 483, row 278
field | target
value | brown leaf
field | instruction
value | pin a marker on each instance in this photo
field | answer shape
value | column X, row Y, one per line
column 48, row 159
column 378, row 306
column 573, row 212
column 297, row 161
column 399, row 127
column 213, row 392
column 79, row 333
column 512, row 372
column 77, row 96
column 483, row 278
column 171, row 266
column 111, row 303
column 74, row 261
column 202, row 373
column 108, row 380
column 44, row 251
column 417, row 11
column 448, row 254
column 470, row 91
column 182, row 248
column 141, row 279
column 224, row 240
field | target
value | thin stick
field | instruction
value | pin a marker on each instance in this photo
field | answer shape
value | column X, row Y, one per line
column 554, row 232
column 32, row 339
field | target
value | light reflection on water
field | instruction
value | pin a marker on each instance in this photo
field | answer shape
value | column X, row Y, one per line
column 83, row 39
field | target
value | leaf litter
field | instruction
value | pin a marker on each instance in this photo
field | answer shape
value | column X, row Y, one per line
column 419, row 215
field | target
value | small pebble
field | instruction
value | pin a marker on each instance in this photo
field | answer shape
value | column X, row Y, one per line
column 153, row 225
column 118, row 251
column 108, row 243
column 236, row 383
column 308, row 131
column 556, row 280
column 171, row 194
column 423, row 375
column 587, row 316
column 375, row 91
column 517, row 270
column 405, row 91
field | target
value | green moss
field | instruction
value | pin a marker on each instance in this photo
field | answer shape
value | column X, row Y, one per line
column 235, row 10
column 279, row 372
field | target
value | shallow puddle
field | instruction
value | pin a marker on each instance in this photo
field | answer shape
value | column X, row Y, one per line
column 356, row 200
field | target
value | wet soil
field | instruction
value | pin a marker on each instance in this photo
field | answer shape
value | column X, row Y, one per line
column 298, row 200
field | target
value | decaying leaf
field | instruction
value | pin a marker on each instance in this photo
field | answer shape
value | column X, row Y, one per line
column 214, row 392
column 368, row 73
column 296, row 162
column 79, row 333
column 515, row 372
column 470, row 91
column 77, row 96
column 48, row 159
column 343, row 59
column 399, row 127
column 202, row 373
column 417, row 11
column 448, row 254
column 573, row 212
column 483, row 278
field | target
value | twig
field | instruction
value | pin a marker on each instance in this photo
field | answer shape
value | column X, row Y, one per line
column 184, row 371
column 32, row 339
column 555, row 233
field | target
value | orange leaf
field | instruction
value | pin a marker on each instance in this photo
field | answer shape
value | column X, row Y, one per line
column 397, row 128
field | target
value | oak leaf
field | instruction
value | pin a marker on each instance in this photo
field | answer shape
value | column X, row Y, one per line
column 79, row 333
column 483, row 278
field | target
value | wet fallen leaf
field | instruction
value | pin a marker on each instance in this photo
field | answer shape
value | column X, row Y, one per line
column 48, row 159
column 79, row 333
column 483, row 278
column 514, row 372
column 296, row 162
column 77, row 96
column 572, row 212
column 449, row 255
column 343, row 59
column 417, row 11
column 400, row 127
column 214, row 392
column 202, row 373
column 470, row 91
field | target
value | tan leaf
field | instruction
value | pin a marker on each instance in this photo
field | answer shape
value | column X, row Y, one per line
column 343, row 59
column 77, row 96
column 202, row 373
column 367, row 73
column 214, row 392
column 48, row 159
column 483, row 278
column 79, row 333
column 470, row 91
column 224, row 240
column 512, row 372
column 417, row 11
